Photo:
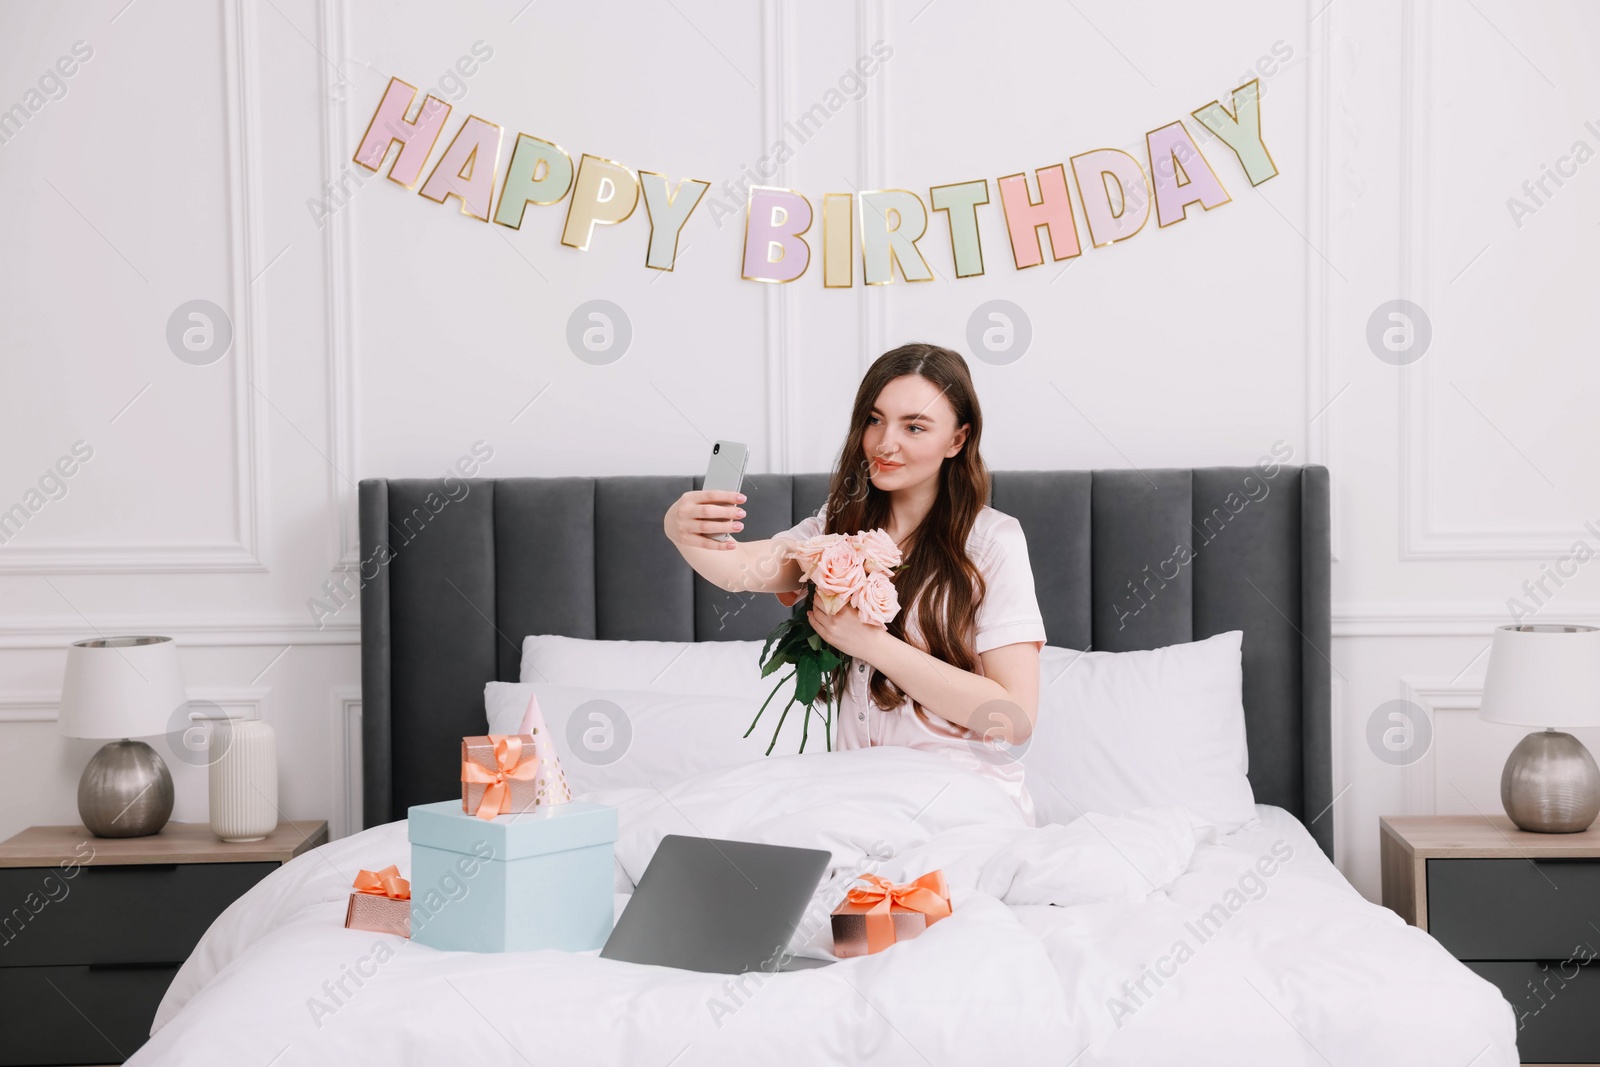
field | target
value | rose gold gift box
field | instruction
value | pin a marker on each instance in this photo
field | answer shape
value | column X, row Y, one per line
column 850, row 927
column 525, row 795
column 382, row 915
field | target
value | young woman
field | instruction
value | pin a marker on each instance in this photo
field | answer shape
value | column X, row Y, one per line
column 957, row 670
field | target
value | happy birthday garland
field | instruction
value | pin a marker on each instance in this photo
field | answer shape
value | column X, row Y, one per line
column 1114, row 193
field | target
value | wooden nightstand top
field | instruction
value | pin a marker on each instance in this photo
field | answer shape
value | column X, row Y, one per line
column 1483, row 837
column 178, row 842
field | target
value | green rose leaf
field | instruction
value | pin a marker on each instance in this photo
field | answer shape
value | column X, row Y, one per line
column 808, row 680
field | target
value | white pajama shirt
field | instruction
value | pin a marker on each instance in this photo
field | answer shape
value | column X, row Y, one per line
column 1008, row 613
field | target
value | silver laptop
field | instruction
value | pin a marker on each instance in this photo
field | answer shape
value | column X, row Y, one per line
column 726, row 907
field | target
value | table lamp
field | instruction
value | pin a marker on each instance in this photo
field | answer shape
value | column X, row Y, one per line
column 122, row 687
column 1546, row 675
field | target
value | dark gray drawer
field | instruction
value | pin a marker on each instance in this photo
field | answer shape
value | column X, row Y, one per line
column 114, row 915
column 80, row 1015
column 1514, row 909
column 1556, row 1005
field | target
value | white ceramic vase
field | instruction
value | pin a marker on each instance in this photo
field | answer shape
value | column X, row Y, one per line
column 243, row 780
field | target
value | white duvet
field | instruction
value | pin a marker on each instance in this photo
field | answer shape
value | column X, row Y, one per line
column 1134, row 940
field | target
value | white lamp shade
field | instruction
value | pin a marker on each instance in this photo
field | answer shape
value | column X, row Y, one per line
column 1543, row 675
column 121, row 687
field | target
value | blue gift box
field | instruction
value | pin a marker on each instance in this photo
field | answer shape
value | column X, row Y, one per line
column 529, row 880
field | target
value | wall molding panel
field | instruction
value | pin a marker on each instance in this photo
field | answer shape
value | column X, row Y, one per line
column 199, row 629
column 1444, row 619
column 345, row 815
column 1320, row 91
column 872, row 161
column 338, row 314
column 1420, row 537
column 235, row 702
column 1419, row 786
column 782, row 319
column 1342, row 779
column 245, row 553
column 30, row 706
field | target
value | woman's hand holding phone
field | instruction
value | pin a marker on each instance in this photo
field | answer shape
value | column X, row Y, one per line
column 698, row 516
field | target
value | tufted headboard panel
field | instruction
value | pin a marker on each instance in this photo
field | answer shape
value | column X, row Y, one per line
column 456, row 573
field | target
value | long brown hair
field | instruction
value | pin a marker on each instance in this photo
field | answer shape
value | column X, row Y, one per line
column 938, row 578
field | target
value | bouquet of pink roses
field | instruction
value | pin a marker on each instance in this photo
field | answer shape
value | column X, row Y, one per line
column 841, row 571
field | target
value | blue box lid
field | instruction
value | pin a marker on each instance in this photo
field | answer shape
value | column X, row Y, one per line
column 547, row 828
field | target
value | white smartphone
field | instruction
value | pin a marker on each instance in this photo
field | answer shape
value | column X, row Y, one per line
column 726, row 471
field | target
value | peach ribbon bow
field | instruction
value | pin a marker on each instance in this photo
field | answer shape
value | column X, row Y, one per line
column 513, row 759
column 384, row 883
column 928, row 894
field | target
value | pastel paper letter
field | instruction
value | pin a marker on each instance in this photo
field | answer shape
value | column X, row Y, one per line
column 1053, row 210
column 389, row 125
column 466, row 170
column 838, row 245
column 604, row 194
column 668, row 210
column 524, row 184
column 1241, row 131
column 885, row 243
column 960, row 204
column 1173, row 153
column 774, row 250
column 1094, row 172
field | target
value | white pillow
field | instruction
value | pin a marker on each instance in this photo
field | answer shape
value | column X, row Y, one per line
column 610, row 737
column 710, row 668
column 1119, row 731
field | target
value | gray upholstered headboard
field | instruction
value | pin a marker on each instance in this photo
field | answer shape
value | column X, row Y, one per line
column 455, row 573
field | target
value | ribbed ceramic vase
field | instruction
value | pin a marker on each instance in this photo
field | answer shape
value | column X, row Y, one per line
column 243, row 780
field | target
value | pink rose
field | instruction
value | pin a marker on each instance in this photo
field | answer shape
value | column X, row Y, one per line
column 808, row 552
column 877, row 600
column 838, row 575
column 880, row 550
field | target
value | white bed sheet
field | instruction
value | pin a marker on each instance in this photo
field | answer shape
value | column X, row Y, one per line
column 1296, row 967
column 1301, row 969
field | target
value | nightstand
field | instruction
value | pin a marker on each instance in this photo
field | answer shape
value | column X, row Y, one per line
column 92, row 929
column 1520, row 909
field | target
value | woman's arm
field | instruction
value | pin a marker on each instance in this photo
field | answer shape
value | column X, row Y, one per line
column 1001, row 704
column 693, row 522
column 750, row 567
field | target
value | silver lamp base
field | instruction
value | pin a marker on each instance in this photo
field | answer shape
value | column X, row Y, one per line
column 125, row 791
column 1551, row 784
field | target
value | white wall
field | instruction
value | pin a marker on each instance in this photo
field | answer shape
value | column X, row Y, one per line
column 385, row 336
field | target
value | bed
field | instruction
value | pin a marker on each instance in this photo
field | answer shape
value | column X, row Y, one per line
column 1055, row 953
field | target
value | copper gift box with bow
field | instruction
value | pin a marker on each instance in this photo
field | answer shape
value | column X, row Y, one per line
column 874, row 916
column 505, row 773
column 381, row 903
